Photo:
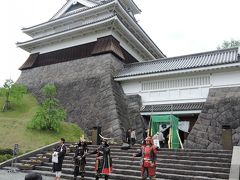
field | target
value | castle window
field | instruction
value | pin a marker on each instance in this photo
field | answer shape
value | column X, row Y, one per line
column 176, row 83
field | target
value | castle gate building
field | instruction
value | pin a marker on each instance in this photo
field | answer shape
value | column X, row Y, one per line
column 201, row 89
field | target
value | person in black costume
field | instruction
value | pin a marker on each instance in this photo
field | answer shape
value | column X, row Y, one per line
column 79, row 159
column 60, row 151
column 103, row 165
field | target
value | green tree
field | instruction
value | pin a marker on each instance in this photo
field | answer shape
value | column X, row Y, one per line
column 50, row 113
column 12, row 92
column 229, row 44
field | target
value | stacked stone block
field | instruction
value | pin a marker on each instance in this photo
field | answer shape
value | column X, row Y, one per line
column 222, row 108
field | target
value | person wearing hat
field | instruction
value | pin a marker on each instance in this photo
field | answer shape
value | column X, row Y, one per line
column 79, row 159
column 103, row 165
column 148, row 154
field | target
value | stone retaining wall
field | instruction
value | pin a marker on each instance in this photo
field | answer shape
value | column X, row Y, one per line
column 222, row 108
column 86, row 89
column 135, row 119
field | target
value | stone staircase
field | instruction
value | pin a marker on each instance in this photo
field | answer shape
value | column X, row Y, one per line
column 188, row 164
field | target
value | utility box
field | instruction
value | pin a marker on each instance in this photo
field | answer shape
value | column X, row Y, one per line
column 96, row 140
column 227, row 137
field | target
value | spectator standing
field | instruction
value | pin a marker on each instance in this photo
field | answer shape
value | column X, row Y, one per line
column 128, row 136
column 60, row 152
column 133, row 137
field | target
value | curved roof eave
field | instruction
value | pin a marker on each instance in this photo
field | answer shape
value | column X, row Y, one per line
column 175, row 72
column 28, row 44
column 142, row 31
column 60, row 19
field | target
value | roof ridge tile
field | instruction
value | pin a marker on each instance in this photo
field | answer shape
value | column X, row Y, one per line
column 203, row 59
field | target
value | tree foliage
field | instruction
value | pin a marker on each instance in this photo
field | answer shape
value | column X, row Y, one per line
column 12, row 92
column 50, row 113
column 229, row 44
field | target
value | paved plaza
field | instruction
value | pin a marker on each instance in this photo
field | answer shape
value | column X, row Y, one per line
column 5, row 175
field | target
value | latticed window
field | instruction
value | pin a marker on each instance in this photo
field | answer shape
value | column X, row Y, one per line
column 176, row 83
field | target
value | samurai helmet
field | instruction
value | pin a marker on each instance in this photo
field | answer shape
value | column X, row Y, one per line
column 149, row 138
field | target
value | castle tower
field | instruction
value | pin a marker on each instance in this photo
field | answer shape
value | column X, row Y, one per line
column 79, row 50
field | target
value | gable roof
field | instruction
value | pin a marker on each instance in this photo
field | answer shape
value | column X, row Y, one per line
column 64, row 17
column 74, row 7
column 70, row 3
column 85, row 4
column 192, row 61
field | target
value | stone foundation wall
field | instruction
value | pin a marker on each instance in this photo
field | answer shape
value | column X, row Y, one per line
column 136, row 121
column 221, row 108
column 87, row 91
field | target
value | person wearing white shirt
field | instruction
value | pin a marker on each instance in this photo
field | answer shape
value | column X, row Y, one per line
column 133, row 137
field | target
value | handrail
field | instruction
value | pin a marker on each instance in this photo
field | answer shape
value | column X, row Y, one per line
column 170, row 139
column 27, row 155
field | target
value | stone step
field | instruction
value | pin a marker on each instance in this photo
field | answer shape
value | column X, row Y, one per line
column 90, row 165
column 198, row 150
column 51, row 174
column 209, row 159
column 185, row 177
column 166, row 153
column 118, row 173
column 195, row 173
column 136, row 161
column 193, row 163
column 172, row 164
column 114, row 175
column 161, row 156
column 68, row 169
column 135, row 147
column 162, row 176
column 136, row 166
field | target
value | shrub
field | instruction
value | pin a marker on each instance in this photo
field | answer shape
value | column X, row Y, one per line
column 5, row 157
column 6, row 151
column 50, row 114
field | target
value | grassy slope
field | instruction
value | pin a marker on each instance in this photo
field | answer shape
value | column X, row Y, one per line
column 13, row 128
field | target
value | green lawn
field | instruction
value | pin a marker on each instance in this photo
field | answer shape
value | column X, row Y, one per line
column 13, row 127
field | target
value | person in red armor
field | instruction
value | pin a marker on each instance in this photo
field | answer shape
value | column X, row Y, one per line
column 148, row 153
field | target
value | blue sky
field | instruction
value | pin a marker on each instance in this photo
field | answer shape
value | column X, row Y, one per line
column 176, row 27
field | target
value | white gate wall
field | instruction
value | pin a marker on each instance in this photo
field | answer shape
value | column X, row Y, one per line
column 192, row 88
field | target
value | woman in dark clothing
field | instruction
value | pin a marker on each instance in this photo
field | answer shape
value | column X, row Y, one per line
column 128, row 136
column 103, row 165
column 80, row 159
column 60, row 151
